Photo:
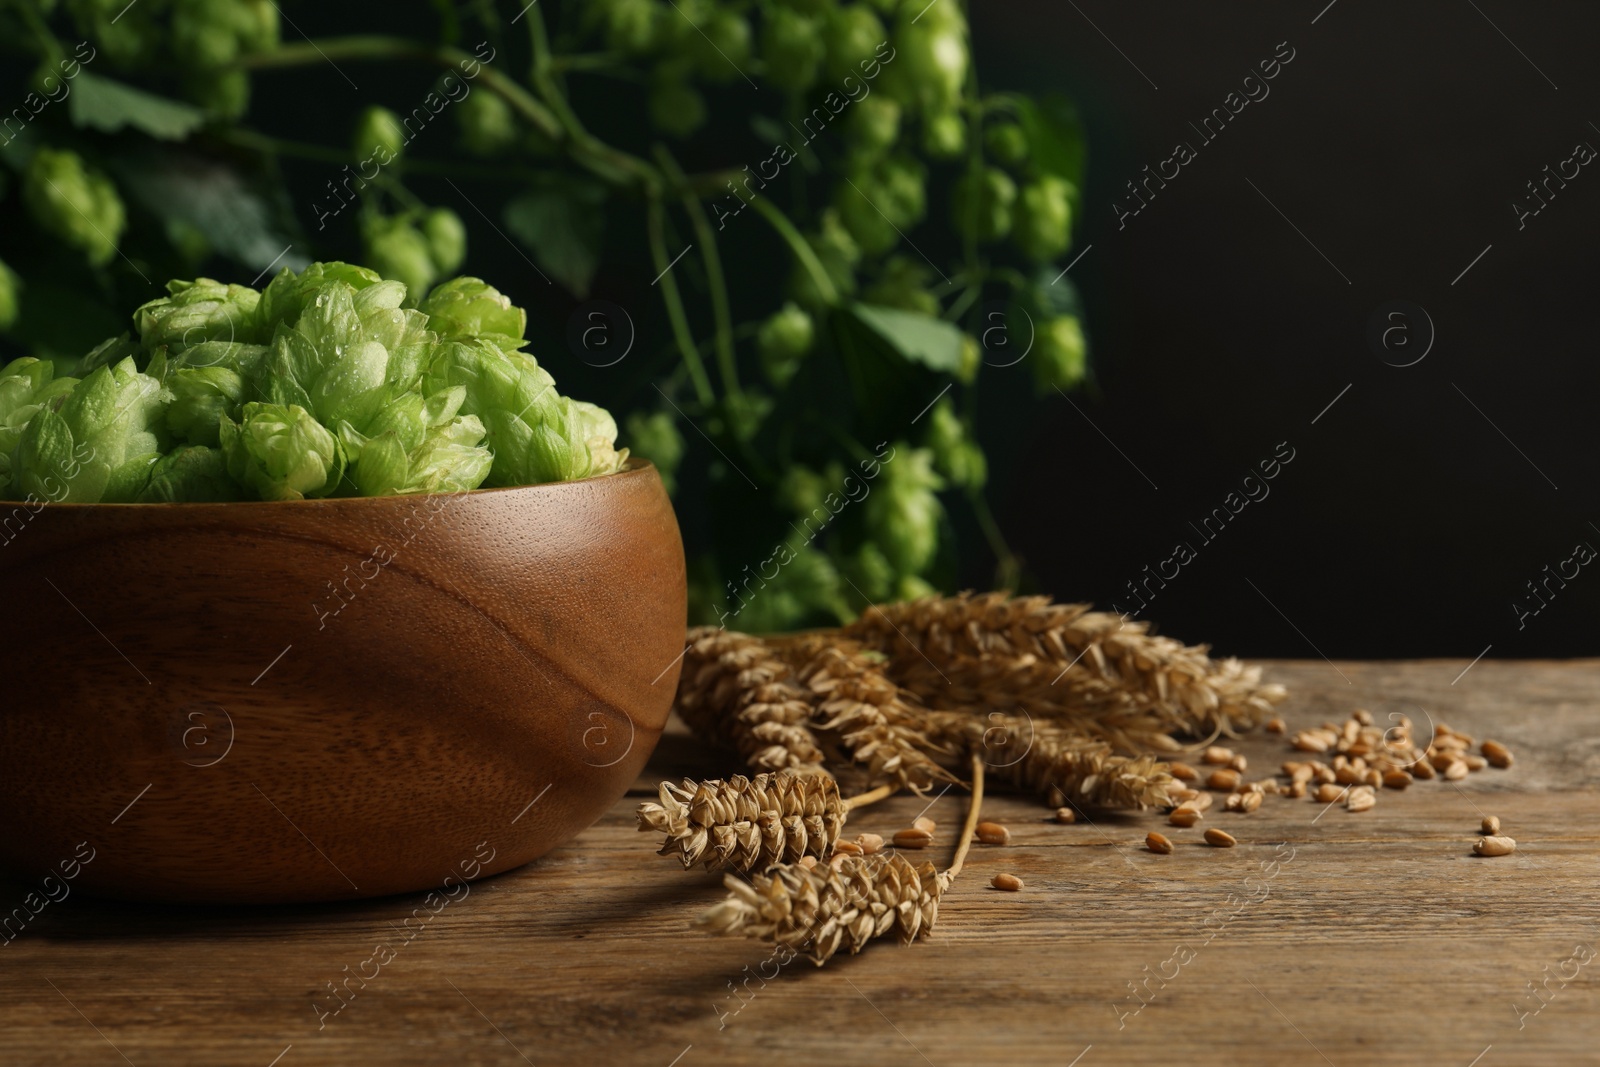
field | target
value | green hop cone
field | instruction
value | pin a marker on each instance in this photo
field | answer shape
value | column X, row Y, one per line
column 1007, row 143
column 488, row 125
column 676, row 107
column 417, row 446
column 944, row 135
column 1060, row 354
column 94, row 444
column 932, row 58
column 398, row 251
column 722, row 47
column 462, row 309
column 904, row 283
column 378, row 137
column 783, row 341
column 955, row 455
column 597, row 430
column 345, row 356
column 839, row 254
column 981, row 203
column 190, row 474
column 224, row 92
column 873, row 125
column 1043, row 227
column 879, row 205
column 525, row 419
column 216, row 33
column 74, row 202
column 802, row 491
column 195, row 312
column 287, row 295
column 281, row 452
column 872, row 573
column 792, row 49
column 656, row 438
column 10, row 291
column 851, row 36
column 447, row 238
column 971, row 357
column 201, row 397
column 903, row 513
column 26, row 385
column 629, row 26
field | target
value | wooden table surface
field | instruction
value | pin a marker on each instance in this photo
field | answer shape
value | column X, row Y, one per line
column 1378, row 938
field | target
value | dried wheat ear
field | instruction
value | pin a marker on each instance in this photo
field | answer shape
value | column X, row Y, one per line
column 1001, row 648
column 878, row 725
column 819, row 910
column 747, row 824
column 736, row 691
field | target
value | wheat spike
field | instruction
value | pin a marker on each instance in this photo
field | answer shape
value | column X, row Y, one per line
column 1043, row 757
column 820, row 910
column 1101, row 658
column 736, row 691
column 747, row 824
column 877, row 723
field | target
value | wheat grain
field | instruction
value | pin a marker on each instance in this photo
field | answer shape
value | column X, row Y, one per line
column 1008, row 882
column 1494, row 845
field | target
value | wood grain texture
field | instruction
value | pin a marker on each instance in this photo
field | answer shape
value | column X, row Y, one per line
column 1382, row 941
column 329, row 699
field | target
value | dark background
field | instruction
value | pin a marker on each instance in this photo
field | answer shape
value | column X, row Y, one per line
column 1396, row 141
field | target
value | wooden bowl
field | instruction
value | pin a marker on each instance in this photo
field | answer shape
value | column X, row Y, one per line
column 329, row 699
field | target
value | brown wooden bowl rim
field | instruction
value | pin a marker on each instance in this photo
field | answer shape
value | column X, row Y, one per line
column 634, row 465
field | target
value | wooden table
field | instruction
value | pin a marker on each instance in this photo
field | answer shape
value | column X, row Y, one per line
column 1379, row 938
